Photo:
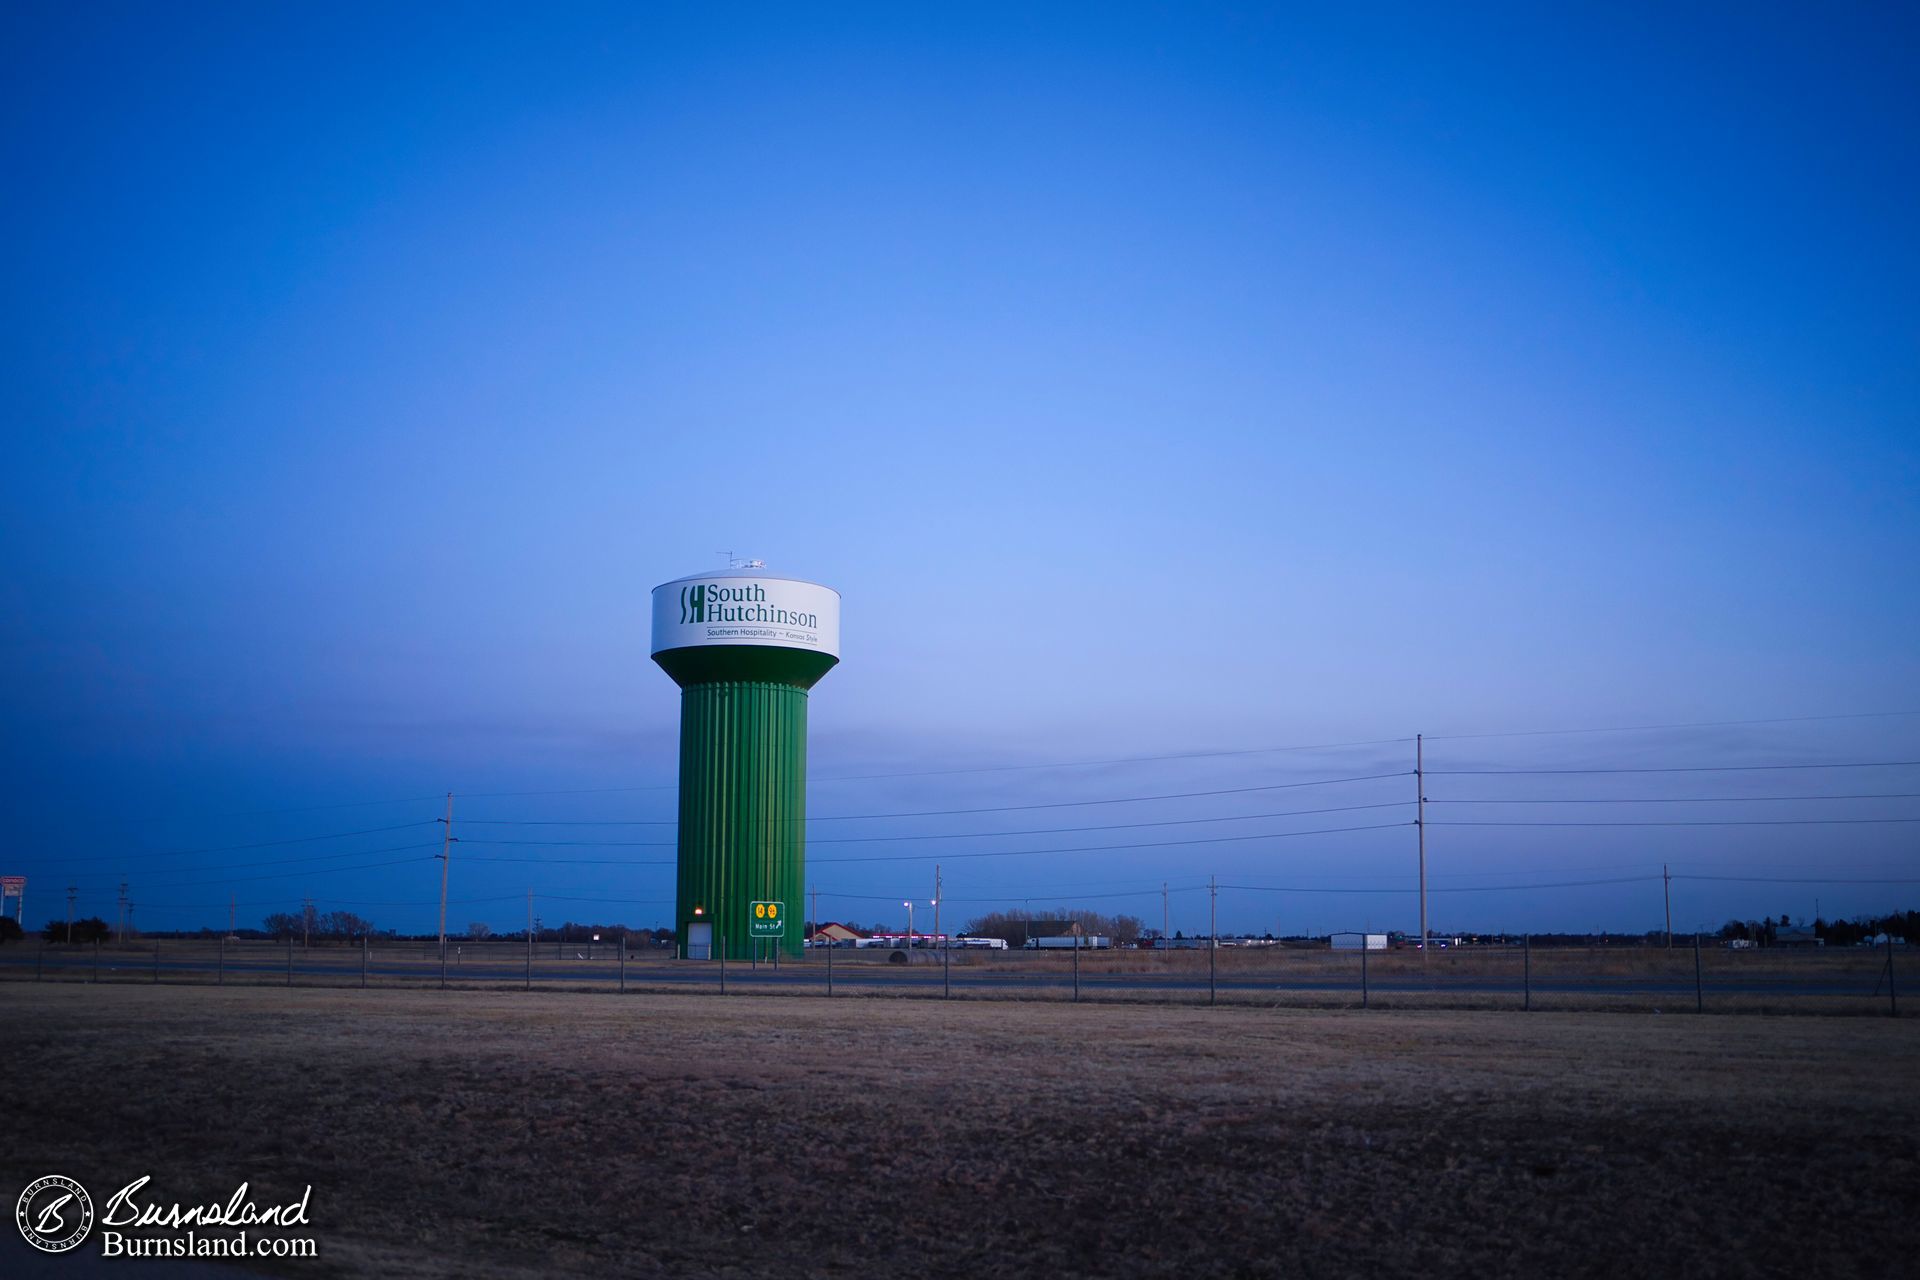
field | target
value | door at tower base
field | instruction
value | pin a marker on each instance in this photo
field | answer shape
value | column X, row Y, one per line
column 700, row 942
column 745, row 647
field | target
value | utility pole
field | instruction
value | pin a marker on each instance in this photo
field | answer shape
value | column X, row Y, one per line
column 1166, row 915
column 946, row 976
column 232, row 903
column 815, row 913
column 71, row 892
column 446, row 846
column 120, row 920
column 306, row 922
column 1213, row 936
column 1420, row 826
column 1666, row 888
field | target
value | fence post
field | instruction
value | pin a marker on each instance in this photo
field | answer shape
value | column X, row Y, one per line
column 721, row 942
column 156, row 961
column 1526, row 971
column 623, row 961
column 96, row 960
column 529, row 959
column 443, row 967
column 829, row 966
column 1699, row 985
column 1893, row 1004
column 1363, row 971
column 366, row 949
column 289, row 959
column 222, row 979
column 1076, row 968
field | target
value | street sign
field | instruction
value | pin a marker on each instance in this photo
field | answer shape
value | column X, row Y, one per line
column 769, row 920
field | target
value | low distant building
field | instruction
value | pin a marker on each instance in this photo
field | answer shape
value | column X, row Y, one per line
column 833, row 934
column 1798, row 935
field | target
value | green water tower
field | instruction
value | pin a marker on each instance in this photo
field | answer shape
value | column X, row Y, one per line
column 744, row 646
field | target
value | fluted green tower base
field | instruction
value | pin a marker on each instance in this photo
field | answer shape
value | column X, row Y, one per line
column 743, row 792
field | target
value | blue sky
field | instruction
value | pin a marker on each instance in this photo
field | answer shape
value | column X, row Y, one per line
column 1149, row 379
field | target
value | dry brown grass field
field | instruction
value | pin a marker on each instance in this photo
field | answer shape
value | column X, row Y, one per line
column 504, row 1134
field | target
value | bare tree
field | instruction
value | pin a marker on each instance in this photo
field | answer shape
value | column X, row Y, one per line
column 1011, row 924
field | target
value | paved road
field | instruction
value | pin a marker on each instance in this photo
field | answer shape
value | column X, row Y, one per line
column 919, row 979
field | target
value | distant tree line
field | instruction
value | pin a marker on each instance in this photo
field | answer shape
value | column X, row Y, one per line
column 318, row 925
column 1011, row 925
column 1835, row 933
column 574, row 932
column 92, row 929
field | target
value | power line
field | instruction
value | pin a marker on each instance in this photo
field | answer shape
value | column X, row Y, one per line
column 316, row 808
column 1073, row 804
column 996, row 853
column 337, row 902
column 942, row 813
column 569, row 822
column 1649, row 728
column 364, row 866
column 1690, row 768
column 1489, row 888
column 571, row 862
column 236, row 848
column 992, row 768
column 1800, row 880
column 1085, row 897
column 1085, row 764
column 1871, row 795
column 1680, row 822
column 1106, row 848
column 148, row 872
column 964, row 835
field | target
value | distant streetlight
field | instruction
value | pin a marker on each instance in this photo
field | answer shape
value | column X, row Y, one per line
column 908, row 904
